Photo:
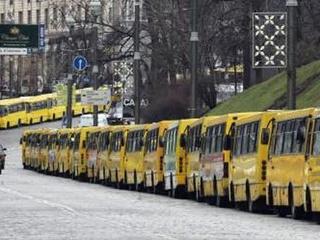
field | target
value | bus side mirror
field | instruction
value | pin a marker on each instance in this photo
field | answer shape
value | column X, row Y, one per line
column 84, row 143
column 301, row 134
column 183, row 141
column 227, row 143
column 20, row 141
column 141, row 142
column 122, row 142
column 265, row 135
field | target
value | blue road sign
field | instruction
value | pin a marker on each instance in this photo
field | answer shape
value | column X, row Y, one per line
column 80, row 62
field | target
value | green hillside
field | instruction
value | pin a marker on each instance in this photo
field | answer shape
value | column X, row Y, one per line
column 271, row 94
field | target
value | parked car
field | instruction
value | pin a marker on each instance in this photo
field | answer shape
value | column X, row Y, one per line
column 2, row 157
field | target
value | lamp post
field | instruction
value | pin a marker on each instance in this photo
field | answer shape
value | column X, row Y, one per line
column 136, row 59
column 10, row 19
column 292, row 38
column 11, row 74
column 96, row 10
column 194, row 52
column 70, row 22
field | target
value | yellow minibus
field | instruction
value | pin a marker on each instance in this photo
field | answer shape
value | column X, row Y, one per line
column 43, row 158
column 286, row 162
column 311, row 184
column 103, row 155
column 174, row 159
column 133, row 165
column 37, row 109
column 215, row 160
column 92, row 152
column 12, row 113
column 78, row 155
column 153, row 159
column 63, row 152
column 248, row 163
column 193, row 150
column 25, row 141
column 114, row 164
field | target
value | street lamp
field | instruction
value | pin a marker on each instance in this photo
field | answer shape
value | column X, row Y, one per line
column 11, row 74
column 10, row 19
column 194, row 52
column 292, row 39
column 70, row 22
column 136, row 59
column 96, row 11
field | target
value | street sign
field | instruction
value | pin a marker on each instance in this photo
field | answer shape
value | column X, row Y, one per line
column 15, row 51
column 42, row 31
column 80, row 63
column 95, row 97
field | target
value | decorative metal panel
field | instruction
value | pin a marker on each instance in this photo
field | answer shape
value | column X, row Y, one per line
column 269, row 40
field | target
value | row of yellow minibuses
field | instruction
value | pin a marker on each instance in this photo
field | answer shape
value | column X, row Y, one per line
column 255, row 161
column 15, row 112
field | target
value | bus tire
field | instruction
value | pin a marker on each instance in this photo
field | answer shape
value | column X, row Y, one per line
column 218, row 200
column 308, row 200
column 296, row 211
column 41, row 119
column 54, row 117
column 251, row 205
column 31, row 121
column 232, row 196
column 19, row 123
column 8, row 125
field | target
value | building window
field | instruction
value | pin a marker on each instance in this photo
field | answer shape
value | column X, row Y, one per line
column 2, row 18
column 38, row 16
column 29, row 16
column 46, row 18
column 20, row 17
column 11, row 2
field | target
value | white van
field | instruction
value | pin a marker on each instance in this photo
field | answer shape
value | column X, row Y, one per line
column 86, row 120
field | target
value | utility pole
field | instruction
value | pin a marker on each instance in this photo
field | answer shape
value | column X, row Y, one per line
column 69, row 100
column 136, row 59
column 11, row 75
column 96, row 11
column 70, row 22
column 95, row 71
column 194, row 54
column 292, row 39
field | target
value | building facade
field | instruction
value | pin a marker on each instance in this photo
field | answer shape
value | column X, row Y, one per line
column 42, row 69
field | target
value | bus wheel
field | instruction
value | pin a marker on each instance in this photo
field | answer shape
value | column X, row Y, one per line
column 19, row 123
column 8, row 125
column 53, row 117
column 41, row 119
column 218, row 200
column 296, row 211
column 252, row 205
column 31, row 121
column 232, row 197
column 308, row 200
